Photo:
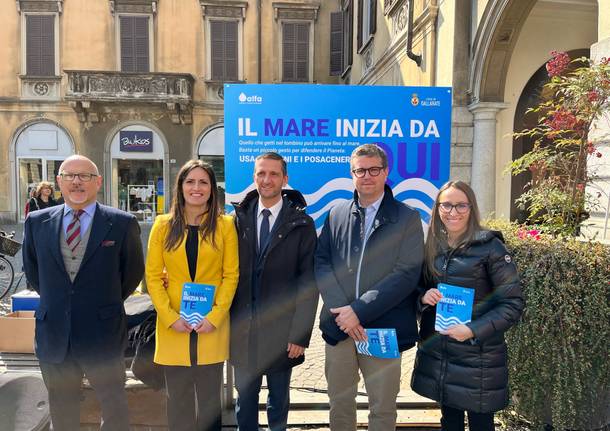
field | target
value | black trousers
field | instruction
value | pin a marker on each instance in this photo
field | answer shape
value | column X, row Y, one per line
column 107, row 378
column 193, row 397
column 453, row 420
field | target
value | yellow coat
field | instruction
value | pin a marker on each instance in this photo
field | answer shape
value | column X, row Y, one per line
column 218, row 267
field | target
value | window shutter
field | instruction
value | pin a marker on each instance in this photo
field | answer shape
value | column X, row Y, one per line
column 373, row 21
column 359, row 29
column 295, row 52
column 302, row 53
column 336, row 43
column 40, row 45
column 231, row 50
column 350, row 34
column 134, row 44
column 127, row 49
column 141, row 44
column 224, row 50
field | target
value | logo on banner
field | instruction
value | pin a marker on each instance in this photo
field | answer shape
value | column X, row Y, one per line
column 250, row 100
column 414, row 100
column 136, row 141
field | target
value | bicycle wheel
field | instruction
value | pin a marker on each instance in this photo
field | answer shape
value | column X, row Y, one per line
column 6, row 276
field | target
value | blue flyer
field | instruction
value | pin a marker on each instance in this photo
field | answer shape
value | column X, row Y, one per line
column 455, row 307
column 197, row 301
column 381, row 343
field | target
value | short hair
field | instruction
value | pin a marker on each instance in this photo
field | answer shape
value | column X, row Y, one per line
column 370, row 150
column 273, row 156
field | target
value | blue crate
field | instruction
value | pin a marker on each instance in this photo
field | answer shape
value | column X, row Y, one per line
column 25, row 300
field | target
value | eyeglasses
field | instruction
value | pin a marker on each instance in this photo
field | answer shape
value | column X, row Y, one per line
column 84, row 177
column 447, row 207
column 373, row 172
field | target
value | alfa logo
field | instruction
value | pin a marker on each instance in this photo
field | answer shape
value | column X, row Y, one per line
column 414, row 99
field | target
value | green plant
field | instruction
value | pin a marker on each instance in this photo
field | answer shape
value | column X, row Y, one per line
column 576, row 96
column 558, row 354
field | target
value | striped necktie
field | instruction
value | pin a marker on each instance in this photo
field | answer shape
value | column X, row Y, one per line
column 73, row 232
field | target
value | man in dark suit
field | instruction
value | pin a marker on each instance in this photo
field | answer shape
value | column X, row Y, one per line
column 84, row 259
column 274, row 307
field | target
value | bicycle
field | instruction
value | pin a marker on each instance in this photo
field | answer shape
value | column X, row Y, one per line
column 8, row 247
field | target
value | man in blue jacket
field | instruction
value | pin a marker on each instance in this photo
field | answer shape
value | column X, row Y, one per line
column 367, row 266
column 84, row 259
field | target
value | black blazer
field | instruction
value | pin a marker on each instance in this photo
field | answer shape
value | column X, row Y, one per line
column 86, row 314
column 282, row 277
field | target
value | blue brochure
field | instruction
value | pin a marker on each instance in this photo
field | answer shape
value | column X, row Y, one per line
column 381, row 343
column 455, row 307
column 197, row 301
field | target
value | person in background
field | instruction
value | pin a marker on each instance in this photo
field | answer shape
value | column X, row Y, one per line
column 464, row 368
column 194, row 242
column 42, row 197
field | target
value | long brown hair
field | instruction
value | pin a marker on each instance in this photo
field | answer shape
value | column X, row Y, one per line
column 437, row 235
column 178, row 223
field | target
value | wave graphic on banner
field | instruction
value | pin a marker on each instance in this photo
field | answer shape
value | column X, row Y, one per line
column 418, row 193
column 192, row 318
column 442, row 323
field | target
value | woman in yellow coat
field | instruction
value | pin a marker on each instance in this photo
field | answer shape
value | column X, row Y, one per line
column 193, row 243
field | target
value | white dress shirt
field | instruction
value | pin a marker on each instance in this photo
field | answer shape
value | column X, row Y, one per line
column 275, row 212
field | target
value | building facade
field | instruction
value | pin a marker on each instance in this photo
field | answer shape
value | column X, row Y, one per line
column 137, row 86
column 493, row 54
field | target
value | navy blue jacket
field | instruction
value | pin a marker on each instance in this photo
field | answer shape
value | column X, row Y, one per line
column 86, row 314
column 276, row 298
column 390, row 270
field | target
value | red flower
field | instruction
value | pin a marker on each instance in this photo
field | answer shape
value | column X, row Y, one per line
column 593, row 96
column 598, row 155
column 590, row 148
column 558, row 63
column 580, row 187
column 563, row 120
column 529, row 234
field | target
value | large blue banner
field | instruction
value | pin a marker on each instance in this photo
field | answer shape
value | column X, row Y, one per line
column 316, row 127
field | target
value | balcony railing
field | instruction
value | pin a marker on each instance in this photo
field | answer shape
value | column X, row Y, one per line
column 174, row 90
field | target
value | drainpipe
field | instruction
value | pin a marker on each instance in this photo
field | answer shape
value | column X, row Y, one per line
column 259, row 9
column 433, row 11
column 415, row 57
column 433, row 41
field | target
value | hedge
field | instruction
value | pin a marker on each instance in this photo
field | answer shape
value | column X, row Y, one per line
column 558, row 354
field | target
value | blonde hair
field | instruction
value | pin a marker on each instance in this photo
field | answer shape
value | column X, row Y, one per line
column 41, row 185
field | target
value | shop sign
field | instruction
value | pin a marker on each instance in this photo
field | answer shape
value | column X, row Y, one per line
column 136, row 141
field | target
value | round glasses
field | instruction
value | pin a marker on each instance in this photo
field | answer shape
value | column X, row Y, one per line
column 373, row 172
column 447, row 207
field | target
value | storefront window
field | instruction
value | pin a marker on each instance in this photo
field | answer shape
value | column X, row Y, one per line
column 140, row 187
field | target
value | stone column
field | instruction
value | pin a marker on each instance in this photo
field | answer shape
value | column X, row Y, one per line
column 599, row 223
column 483, row 179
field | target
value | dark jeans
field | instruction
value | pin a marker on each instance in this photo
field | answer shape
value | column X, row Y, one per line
column 248, row 386
column 193, row 397
column 453, row 420
column 107, row 378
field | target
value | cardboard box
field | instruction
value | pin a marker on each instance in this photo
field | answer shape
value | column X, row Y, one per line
column 26, row 300
column 17, row 332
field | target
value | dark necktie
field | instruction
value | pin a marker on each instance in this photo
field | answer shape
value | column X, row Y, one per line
column 73, row 231
column 264, row 233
